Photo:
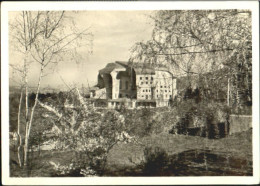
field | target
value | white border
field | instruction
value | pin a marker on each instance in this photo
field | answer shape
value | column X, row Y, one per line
column 17, row 6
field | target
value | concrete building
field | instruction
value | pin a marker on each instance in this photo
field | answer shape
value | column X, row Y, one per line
column 135, row 85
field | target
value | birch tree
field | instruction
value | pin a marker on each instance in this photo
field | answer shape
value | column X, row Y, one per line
column 44, row 39
column 194, row 42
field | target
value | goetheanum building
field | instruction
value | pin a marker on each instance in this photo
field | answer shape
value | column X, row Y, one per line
column 134, row 85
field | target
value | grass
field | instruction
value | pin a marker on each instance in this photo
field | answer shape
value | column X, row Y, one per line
column 129, row 155
column 40, row 166
column 238, row 145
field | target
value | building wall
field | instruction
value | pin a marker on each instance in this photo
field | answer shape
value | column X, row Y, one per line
column 160, row 86
column 125, row 90
column 145, row 86
column 165, row 87
column 115, row 83
column 107, row 79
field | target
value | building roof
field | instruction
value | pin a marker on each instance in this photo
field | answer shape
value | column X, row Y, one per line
column 110, row 67
column 123, row 63
column 139, row 68
column 142, row 68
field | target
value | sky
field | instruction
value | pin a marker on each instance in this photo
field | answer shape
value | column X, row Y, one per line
column 115, row 32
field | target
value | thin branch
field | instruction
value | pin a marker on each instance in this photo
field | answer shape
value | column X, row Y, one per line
column 198, row 52
column 56, row 25
column 65, row 37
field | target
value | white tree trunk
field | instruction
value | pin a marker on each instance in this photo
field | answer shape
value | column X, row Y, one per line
column 26, row 89
column 228, row 91
column 26, row 106
column 19, row 150
column 29, row 124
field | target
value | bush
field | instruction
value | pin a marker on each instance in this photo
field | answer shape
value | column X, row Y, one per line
column 155, row 161
column 87, row 132
column 145, row 122
column 206, row 116
column 139, row 122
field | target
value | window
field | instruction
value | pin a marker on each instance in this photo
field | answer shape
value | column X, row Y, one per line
column 120, row 95
column 151, row 78
column 126, row 85
column 151, row 82
column 143, row 90
column 164, row 86
column 126, row 95
column 146, row 82
column 142, row 83
column 170, row 96
column 146, row 90
column 140, row 78
column 149, row 90
column 165, row 90
column 157, row 90
column 146, row 78
column 161, row 86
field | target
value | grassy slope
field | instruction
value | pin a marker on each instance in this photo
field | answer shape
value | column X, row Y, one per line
column 239, row 145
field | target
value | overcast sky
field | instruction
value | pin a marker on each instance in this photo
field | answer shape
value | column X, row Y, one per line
column 115, row 32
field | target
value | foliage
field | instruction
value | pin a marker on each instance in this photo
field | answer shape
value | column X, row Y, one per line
column 155, row 160
column 44, row 39
column 196, row 42
column 89, row 133
column 182, row 37
column 139, row 122
column 241, row 77
column 239, row 145
column 145, row 121
column 205, row 116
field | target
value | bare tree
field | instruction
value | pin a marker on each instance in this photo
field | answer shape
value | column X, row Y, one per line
column 45, row 38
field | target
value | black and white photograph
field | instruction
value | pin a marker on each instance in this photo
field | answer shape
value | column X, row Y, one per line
column 130, row 92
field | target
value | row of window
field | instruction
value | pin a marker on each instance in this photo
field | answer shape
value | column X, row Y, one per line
column 148, row 96
column 166, row 96
column 164, row 91
column 152, row 83
column 162, row 86
column 146, row 83
column 146, row 78
column 149, row 90
column 146, row 90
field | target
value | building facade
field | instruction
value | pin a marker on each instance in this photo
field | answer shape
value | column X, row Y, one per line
column 135, row 85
